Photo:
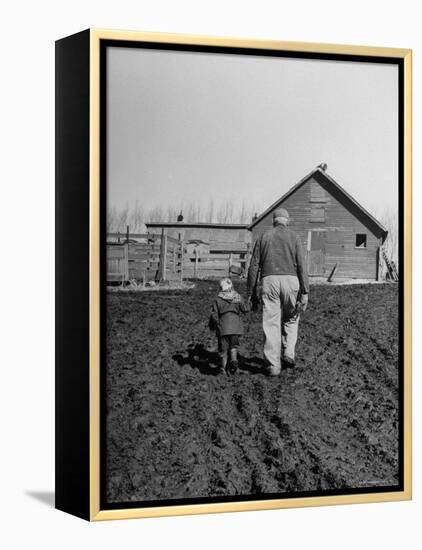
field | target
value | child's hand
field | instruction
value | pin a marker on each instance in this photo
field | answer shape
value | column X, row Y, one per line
column 212, row 323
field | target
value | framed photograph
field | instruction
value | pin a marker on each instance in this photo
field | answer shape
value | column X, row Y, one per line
column 233, row 276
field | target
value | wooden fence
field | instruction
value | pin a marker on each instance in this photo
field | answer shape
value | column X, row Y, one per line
column 164, row 258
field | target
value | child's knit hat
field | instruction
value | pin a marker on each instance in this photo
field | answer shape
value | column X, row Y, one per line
column 226, row 285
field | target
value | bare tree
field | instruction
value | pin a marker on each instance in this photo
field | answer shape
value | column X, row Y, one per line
column 122, row 219
column 172, row 213
column 246, row 212
column 198, row 213
column 225, row 212
column 389, row 220
column 155, row 214
column 111, row 220
column 136, row 218
column 190, row 213
column 136, row 215
column 209, row 217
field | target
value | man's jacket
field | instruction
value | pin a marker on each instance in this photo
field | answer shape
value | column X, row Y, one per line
column 278, row 252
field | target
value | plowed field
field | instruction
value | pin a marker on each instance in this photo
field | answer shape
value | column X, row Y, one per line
column 175, row 429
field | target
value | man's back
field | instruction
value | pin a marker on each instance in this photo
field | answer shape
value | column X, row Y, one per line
column 278, row 252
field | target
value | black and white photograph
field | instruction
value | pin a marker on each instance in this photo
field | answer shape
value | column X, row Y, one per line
column 251, row 275
column 210, row 301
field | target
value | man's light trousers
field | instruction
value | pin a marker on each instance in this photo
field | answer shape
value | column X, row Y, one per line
column 280, row 320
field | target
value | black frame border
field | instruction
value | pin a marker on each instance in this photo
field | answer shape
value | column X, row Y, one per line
column 104, row 44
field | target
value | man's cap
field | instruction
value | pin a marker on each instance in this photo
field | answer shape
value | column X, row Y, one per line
column 280, row 213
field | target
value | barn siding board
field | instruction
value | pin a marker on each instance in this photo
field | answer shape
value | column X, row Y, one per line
column 342, row 221
column 318, row 194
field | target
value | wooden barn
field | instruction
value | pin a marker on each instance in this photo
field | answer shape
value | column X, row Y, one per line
column 334, row 228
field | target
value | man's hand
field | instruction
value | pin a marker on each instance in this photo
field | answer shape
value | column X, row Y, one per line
column 253, row 302
column 304, row 302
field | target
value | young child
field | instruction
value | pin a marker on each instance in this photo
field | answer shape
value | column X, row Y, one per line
column 226, row 321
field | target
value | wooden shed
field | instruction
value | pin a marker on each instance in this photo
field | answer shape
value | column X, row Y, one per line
column 218, row 236
column 334, row 228
column 210, row 249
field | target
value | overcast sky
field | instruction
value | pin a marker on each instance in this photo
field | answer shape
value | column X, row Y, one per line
column 186, row 127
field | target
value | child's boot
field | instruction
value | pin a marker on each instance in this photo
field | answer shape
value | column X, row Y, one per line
column 223, row 363
column 234, row 363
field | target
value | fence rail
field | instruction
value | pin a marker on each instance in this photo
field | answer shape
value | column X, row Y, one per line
column 122, row 238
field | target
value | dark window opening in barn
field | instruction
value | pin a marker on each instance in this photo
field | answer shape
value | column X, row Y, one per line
column 317, row 213
column 360, row 240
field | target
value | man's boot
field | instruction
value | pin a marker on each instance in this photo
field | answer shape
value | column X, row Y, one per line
column 288, row 362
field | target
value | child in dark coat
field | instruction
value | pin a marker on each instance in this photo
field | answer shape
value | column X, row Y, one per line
column 226, row 321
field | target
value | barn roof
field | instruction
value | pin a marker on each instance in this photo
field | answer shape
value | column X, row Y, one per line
column 332, row 186
column 200, row 224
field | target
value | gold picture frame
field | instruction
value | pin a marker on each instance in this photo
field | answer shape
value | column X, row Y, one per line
column 78, row 476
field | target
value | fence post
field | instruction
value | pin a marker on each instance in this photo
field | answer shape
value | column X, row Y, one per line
column 163, row 255
column 126, row 261
column 181, row 258
column 230, row 264
column 196, row 263
column 151, row 257
column 248, row 258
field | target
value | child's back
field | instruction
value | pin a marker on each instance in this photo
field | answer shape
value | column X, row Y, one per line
column 226, row 319
column 228, row 310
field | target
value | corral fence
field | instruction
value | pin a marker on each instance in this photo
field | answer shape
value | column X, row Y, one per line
column 151, row 257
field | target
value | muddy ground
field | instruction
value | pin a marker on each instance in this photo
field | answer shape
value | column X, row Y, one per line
column 175, row 429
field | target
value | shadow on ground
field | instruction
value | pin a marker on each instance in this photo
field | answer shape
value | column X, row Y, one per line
column 198, row 356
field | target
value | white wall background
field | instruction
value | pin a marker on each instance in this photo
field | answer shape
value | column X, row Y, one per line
column 27, row 271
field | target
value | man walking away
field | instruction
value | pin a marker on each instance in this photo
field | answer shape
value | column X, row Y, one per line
column 278, row 260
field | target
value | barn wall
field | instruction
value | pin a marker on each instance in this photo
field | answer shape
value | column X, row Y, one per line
column 341, row 226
